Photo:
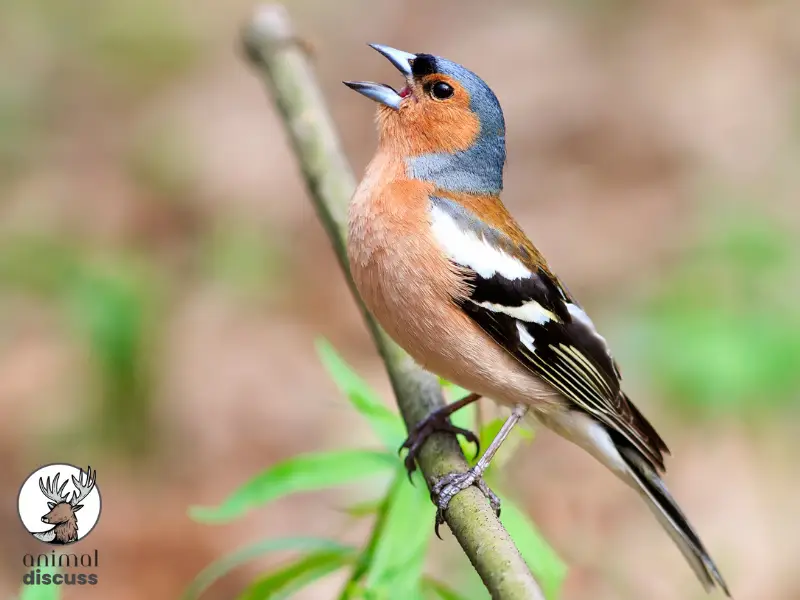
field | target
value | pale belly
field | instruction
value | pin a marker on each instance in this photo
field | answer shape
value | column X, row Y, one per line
column 406, row 288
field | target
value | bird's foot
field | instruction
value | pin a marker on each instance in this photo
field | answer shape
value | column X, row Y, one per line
column 436, row 421
column 443, row 490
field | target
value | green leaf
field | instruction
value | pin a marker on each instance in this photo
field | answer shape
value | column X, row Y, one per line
column 465, row 417
column 722, row 335
column 290, row 578
column 386, row 424
column 368, row 508
column 718, row 359
column 437, row 589
column 401, row 541
column 353, row 590
column 47, row 591
column 112, row 306
column 244, row 555
column 543, row 561
column 489, row 431
column 453, row 391
column 298, row 474
column 520, row 434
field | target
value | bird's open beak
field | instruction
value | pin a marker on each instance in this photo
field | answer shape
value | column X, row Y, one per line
column 380, row 92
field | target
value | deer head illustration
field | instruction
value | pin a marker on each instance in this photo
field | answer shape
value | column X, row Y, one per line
column 62, row 508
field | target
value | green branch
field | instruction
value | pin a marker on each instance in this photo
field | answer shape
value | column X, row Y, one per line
column 279, row 58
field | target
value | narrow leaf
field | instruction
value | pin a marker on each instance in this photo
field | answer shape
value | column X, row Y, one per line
column 359, row 510
column 386, row 424
column 298, row 474
column 490, row 430
column 354, row 590
column 290, row 578
column 402, row 541
column 437, row 589
column 464, row 417
column 453, row 391
column 543, row 561
column 244, row 555
column 518, row 435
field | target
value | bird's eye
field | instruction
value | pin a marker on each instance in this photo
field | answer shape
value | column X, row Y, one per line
column 441, row 90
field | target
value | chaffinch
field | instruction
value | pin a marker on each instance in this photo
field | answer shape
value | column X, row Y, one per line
column 450, row 275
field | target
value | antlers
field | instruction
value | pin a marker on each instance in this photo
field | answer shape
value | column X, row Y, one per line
column 82, row 490
column 54, row 493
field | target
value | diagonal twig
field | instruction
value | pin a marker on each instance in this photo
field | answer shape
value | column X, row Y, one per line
column 280, row 60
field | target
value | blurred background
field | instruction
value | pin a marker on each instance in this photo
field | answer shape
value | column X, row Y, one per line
column 163, row 276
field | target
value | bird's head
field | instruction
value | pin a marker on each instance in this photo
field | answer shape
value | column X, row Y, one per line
column 445, row 121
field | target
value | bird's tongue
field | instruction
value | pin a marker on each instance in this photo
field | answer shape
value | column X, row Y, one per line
column 404, row 92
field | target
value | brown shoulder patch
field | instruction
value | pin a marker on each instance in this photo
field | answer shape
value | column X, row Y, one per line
column 493, row 212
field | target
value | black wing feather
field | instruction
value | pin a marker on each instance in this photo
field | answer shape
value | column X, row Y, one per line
column 566, row 352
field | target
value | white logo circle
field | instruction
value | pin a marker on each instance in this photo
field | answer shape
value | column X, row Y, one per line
column 59, row 504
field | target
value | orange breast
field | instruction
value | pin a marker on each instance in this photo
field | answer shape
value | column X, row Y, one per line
column 409, row 285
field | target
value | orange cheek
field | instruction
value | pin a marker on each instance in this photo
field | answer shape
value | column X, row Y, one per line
column 440, row 127
column 425, row 126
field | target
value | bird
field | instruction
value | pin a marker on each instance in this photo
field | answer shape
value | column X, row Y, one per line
column 450, row 275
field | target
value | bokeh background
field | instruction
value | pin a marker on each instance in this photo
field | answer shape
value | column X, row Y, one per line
column 163, row 277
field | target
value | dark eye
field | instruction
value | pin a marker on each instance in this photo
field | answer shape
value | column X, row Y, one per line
column 441, row 90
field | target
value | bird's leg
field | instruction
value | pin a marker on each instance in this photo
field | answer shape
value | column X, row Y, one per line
column 451, row 484
column 438, row 420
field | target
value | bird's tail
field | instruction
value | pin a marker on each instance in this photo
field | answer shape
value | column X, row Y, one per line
column 666, row 510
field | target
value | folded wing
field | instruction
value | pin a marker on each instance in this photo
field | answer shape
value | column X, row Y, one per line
column 524, row 308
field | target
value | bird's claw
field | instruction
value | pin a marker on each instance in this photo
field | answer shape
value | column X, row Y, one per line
column 423, row 430
column 444, row 489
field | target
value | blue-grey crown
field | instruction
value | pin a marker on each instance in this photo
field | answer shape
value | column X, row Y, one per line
column 478, row 169
column 482, row 99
